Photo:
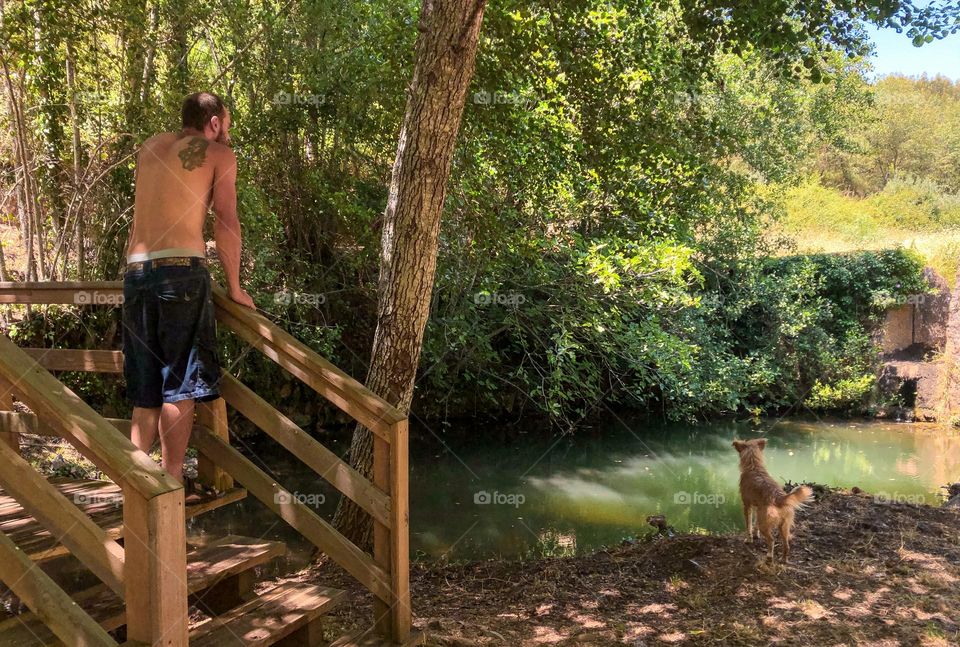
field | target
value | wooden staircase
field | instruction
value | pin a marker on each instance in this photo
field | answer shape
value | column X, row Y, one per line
column 129, row 532
column 220, row 578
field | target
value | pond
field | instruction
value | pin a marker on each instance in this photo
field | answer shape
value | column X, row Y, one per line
column 570, row 494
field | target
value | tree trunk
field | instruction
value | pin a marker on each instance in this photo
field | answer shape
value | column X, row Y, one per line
column 27, row 204
column 444, row 60
column 75, row 141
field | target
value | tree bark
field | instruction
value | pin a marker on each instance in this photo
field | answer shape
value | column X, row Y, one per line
column 444, row 59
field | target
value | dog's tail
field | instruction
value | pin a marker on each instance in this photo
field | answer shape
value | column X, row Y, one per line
column 797, row 497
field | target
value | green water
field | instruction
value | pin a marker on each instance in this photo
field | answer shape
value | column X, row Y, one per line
column 576, row 493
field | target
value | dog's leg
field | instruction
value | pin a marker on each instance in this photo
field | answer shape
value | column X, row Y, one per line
column 764, row 521
column 748, row 519
column 785, row 528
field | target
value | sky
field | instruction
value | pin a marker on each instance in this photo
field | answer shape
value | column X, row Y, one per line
column 896, row 54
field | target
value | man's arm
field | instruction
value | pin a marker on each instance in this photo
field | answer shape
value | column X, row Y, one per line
column 226, row 226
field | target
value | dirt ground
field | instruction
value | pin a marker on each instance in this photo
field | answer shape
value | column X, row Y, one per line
column 861, row 573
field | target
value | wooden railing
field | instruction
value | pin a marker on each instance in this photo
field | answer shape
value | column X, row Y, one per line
column 154, row 549
column 385, row 572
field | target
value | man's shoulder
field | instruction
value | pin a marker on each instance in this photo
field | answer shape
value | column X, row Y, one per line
column 159, row 138
column 222, row 154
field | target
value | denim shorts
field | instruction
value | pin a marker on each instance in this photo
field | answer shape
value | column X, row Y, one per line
column 169, row 335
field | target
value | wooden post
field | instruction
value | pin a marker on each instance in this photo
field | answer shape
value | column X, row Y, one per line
column 391, row 548
column 6, row 404
column 400, row 531
column 381, row 537
column 213, row 416
column 155, row 547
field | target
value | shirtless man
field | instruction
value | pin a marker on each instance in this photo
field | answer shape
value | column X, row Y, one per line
column 169, row 335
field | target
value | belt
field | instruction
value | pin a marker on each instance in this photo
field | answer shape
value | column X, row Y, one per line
column 171, row 261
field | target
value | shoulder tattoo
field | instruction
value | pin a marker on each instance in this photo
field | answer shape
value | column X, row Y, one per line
column 193, row 154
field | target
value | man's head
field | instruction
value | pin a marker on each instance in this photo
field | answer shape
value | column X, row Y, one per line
column 204, row 111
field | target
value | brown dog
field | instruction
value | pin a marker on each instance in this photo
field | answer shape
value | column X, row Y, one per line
column 761, row 494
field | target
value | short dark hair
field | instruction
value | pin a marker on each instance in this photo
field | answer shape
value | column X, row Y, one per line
column 199, row 108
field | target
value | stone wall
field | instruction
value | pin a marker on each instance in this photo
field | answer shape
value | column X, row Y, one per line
column 921, row 321
column 920, row 341
column 950, row 362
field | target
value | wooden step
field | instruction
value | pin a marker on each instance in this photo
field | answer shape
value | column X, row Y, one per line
column 286, row 611
column 207, row 566
column 101, row 500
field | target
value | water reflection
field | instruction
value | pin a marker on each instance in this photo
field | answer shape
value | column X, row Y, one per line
column 577, row 493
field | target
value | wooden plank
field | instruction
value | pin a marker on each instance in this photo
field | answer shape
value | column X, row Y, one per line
column 90, row 434
column 66, row 292
column 269, row 618
column 354, row 398
column 320, row 459
column 399, row 475
column 155, row 542
column 213, row 415
column 70, row 359
column 27, row 423
column 297, row 514
column 77, row 532
column 48, row 601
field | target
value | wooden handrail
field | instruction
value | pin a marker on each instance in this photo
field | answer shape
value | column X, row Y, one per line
column 108, row 293
column 342, row 390
column 153, row 533
column 320, row 459
column 90, row 434
column 348, row 394
column 71, row 359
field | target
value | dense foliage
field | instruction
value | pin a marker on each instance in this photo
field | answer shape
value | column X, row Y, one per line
column 606, row 236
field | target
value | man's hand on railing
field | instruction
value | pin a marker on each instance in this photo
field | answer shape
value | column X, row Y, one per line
column 240, row 296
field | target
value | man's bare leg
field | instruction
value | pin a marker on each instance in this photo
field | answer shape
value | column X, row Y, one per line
column 176, row 422
column 144, row 426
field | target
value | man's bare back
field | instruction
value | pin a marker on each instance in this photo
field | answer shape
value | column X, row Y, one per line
column 176, row 174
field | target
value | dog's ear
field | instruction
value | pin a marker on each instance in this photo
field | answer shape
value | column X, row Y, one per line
column 739, row 445
column 761, row 443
